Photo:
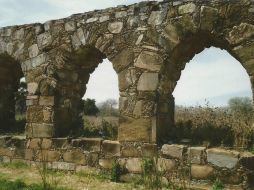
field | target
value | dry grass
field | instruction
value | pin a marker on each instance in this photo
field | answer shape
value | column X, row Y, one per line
column 214, row 125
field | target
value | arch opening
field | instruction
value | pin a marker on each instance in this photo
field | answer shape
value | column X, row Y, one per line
column 204, row 94
column 72, row 94
column 13, row 92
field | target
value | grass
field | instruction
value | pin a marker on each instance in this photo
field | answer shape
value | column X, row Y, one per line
column 20, row 185
column 15, row 165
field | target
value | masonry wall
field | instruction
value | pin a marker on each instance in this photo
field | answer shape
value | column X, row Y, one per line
column 199, row 163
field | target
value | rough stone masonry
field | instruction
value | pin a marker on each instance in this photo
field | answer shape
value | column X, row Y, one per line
column 148, row 43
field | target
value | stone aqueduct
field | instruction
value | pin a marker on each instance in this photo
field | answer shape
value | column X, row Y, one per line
column 148, row 43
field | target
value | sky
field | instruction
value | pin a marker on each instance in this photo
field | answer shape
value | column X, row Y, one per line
column 212, row 76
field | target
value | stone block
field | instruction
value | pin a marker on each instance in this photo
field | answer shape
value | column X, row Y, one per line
column 223, row 158
column 104, row 18
column 120, row 14
column 247, row 160
column 196, row 155
column 134, row 165
column 47, row 100
column 201, row 171
column 240, row 33
column 63, row 166
column 49, row 155
column 39, row 130
column 166, row 164
column 111, row 148
column 7, row 152
column 75, row 156
column 149, row 150
column 70, row 26
column 29, row 154
column 33, row 50
column 92, row 158
column 46, row 143
column 34, row 143
column 131, row 129
column 106, row 163
column 148, row 82
column 88, row 144
column 130, row 151
column 44, row 40
column 208, row 18
column 187, row 8
column 115, row 27
column 174, row 151
column 156, row 18
column 60, row 143
column 123, row 59
column 149, row 60
column 93, row 19
column 32, row 87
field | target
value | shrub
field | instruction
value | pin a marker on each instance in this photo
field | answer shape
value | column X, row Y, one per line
column 116, row 172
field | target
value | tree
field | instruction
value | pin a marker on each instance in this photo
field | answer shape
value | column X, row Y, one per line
column 240, row 104
column 90, row 107
column 108, row 107
column 20, row 98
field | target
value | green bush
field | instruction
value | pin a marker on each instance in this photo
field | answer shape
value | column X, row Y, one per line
column 116, row 172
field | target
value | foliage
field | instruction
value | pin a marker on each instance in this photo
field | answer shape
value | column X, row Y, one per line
column 105, row 130
column 214, row 125
column 240, row 104
column 107, row 108
column 152, row 178
column 15, row 165
column 218, row 185
column 20, row 185
column 89, row 107
column 20, row 98
column 116, row 172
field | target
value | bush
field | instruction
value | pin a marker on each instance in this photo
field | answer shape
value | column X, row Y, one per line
column 214, row 125
column 116, row 172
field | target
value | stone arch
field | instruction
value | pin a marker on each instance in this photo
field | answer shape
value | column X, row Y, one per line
column 10, row 75
column 180, row 56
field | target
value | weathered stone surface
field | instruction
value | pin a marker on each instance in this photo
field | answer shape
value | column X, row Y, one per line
column 241, row 33
column 111, row 148
column 149, row 150
column 201, row 171
column 33, row 50
column 222, row 158
column 49, row 155
column 123, row 59
column 88, row 144
column 44, row 40
column 63, row 166
column 107, row 163
column 42, row 130
column 208, row 17
column 166, row 164
column 148, row 82
column 32, row 87
column 75, row 156
column 115, row 27
column 130, row 151
column 149, row 60
column 174, row 151
column 129, row 127
column 196, row 155
column 134, row 165
column 70, row 26
column 155, row 18
column 47, row 100
column 187, row 8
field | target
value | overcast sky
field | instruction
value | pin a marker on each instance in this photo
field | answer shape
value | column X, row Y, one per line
column 212, row 75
